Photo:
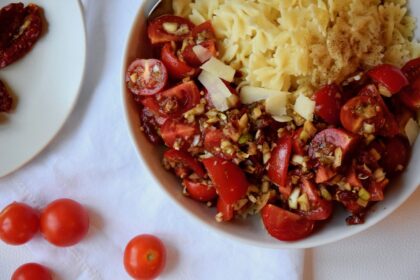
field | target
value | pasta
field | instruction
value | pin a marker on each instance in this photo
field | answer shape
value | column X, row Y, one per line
column 291, row 44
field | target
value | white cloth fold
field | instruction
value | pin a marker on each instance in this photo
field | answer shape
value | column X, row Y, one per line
column 93, row 161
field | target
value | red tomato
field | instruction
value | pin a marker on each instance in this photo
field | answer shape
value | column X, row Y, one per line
column 279, row 161
column 388, row 76
column 31, row 271
column 324, row 174
column 410, row 96
column 212, row 143
column 144, row 257
column 150, row 126
column 376, row 189
column 18, row 223
column 228, row 178
column 349, row 201
column 177, row 69
column 146, row 76
column 325, row 142
column 64, row 222
column 320, row 209
column 395, row 155
column 285, row 225
column 204, row 32
column 157, row 32
column 183, row 163
column 225, row 209
column 191, row 58
column 412, row 69
column 200, row 191
column 352, row 178
column 178, row 134
column 328, row 104
column 179, row 99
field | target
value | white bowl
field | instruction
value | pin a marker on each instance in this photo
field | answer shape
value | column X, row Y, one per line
column 250, row 230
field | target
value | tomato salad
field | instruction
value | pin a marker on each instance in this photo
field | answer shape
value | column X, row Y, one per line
column 238, row 157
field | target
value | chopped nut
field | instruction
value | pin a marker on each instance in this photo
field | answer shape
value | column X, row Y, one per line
column 338, row 157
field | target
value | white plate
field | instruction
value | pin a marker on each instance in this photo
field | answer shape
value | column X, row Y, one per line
column 251, row 231
column 46, row 82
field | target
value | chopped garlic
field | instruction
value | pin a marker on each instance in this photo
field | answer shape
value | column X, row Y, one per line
column 305, row 107
column 170, row 27
column 293, row 199
column 411, row 131
column 218, row 91
column 219, row 69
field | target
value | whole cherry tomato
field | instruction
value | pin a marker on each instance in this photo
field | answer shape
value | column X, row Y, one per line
column 200, row 191
column 389, row 77
column 18, row 223
column 144, row 257
column 31, row 271
column 328, row 103
column 168, row 28
column 279, row 161
column 183, row 163
column 285, row 225
column 228, row 178
column 64, row 222
column 146, row 76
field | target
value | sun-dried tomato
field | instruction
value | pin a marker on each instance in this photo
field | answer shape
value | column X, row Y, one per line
column 24, row 37
column 6, row 100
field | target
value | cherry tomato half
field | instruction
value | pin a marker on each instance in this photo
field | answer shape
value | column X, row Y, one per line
column 18, row 223
column 32, row 271
column 204, row 32
column 328, row 103
column 389, row 76
column 279, row 161
column 179, row 99
column 395, row 155
column 144, row 257
column 285, row 225
column 200, row 191
column 169, row 28
column 228, row 178
column 183, row 163
column 178, row 134
column 320, row 209
column 225, row 209
column 64, row 222
column 325, row 142
column 412, row 69
column 177, row 69
column 146, row 76
column 410, row 96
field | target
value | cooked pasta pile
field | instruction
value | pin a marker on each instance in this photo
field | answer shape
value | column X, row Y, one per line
column 300, row 45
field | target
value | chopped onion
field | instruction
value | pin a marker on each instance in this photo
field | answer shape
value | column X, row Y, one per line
column 411, row 131
column 305, row 107
column 202, row 53
column 219, row 69
column 217, row 90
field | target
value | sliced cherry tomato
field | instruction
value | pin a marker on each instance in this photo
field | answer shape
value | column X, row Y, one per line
column 183, row 163
column 177, row 69
column 146, row 76
column 200, row 191
column 178, row 134
column 298, row 146
column 395, row 155
column 412, row 69
column 320, row 209
column 389, row 77
column 376, row 190
column 325, row 142
column 31, row 271
column 410, row 96
column 18, row 223
column 324, row 174
column 225, row 209
column 352, row 178
column 212, row 143
column 328, row 102
column 228, row 178
column 191, row 58
column 178, row 99
column 144, row 257
column 204, row 32
column 64, row 222
column 285, row 225
column 279, row 161
column 169, row 28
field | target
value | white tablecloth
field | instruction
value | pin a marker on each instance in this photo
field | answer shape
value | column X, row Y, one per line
column 93, row 161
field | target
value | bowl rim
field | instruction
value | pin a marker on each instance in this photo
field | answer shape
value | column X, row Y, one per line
column 276, row 244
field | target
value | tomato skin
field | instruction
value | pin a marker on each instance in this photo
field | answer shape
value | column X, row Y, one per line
column 228, row 178
column 395, row 155
column 177, row 100
column 285, row 225
column 328, row 103
column 64, row 222
column 328, row 139
column 177, row 69
column 225, row 209
column 191, row 58
column 200, row 191
column 150, row 126
column 157, row 33
column 204, row 32
column 18, row 223
column 150, row 76
column 185, row 161
column 321, row 209
column 324, row 174
column 173, row 131
column 279, row 161
column 144, row 257
column 389, row 76
column 410, row 96
column 298, row 146
column 31, row 271
column 412, row 69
